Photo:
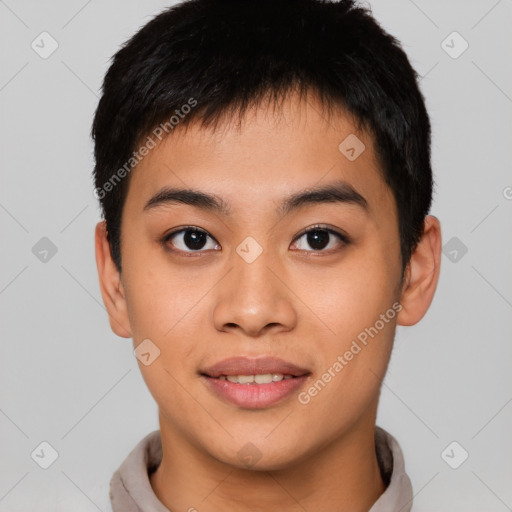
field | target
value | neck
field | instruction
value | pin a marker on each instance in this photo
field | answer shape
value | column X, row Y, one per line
column 344, row 475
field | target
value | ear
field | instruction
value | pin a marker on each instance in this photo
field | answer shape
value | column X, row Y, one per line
column 111, row 285
column 422, row 274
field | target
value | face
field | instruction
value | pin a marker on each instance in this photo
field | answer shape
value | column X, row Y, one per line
column 301, row 293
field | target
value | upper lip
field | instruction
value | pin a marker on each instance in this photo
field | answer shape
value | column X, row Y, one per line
column 253, row 366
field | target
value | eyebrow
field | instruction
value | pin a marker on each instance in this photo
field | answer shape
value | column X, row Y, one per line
column 338, row 192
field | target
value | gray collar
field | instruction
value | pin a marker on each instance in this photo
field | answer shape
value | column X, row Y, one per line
column 131, row 491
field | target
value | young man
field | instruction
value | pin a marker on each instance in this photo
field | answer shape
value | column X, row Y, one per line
column 264, row 173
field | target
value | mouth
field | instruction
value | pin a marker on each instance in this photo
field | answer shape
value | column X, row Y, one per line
column 261, row 378
column 253, row 383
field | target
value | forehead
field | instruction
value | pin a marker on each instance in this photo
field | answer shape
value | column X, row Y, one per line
column 273, row 153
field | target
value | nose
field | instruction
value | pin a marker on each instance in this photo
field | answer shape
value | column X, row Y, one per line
column 254, row 298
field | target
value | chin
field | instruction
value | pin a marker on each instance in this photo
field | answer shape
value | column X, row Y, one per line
column 258, row 454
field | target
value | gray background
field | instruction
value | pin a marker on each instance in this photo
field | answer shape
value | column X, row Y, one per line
column 68, row 380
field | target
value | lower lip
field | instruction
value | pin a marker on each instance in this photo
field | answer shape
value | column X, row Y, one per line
column 255, row 396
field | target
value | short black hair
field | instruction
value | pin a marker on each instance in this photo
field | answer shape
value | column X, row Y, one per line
column 204, row 60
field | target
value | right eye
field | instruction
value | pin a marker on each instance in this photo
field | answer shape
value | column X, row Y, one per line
column 189, row 240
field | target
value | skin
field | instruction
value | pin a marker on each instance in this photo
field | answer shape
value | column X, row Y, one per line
column 293, row 302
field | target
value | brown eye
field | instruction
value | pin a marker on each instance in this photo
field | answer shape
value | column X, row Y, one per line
column 320, row 238
column 190, row 239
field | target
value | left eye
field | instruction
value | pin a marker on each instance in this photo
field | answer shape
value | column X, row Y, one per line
column 320, row 239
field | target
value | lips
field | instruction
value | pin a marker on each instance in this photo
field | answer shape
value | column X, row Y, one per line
column 254, row 383
column 253, row 366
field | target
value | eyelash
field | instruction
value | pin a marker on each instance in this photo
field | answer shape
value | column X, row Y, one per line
column 318, row 227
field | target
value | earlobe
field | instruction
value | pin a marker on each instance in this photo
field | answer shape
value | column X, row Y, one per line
column 422, row 274
column 111, row 285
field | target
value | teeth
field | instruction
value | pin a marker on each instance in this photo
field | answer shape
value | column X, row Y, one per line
column 266, row 378
column 243, row 379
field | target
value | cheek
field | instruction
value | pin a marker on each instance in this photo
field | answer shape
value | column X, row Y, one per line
column 165, row 308
column 159, row 298
column 351, row 297
column 360, row 309
column 172, row 393
column 348, row 382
